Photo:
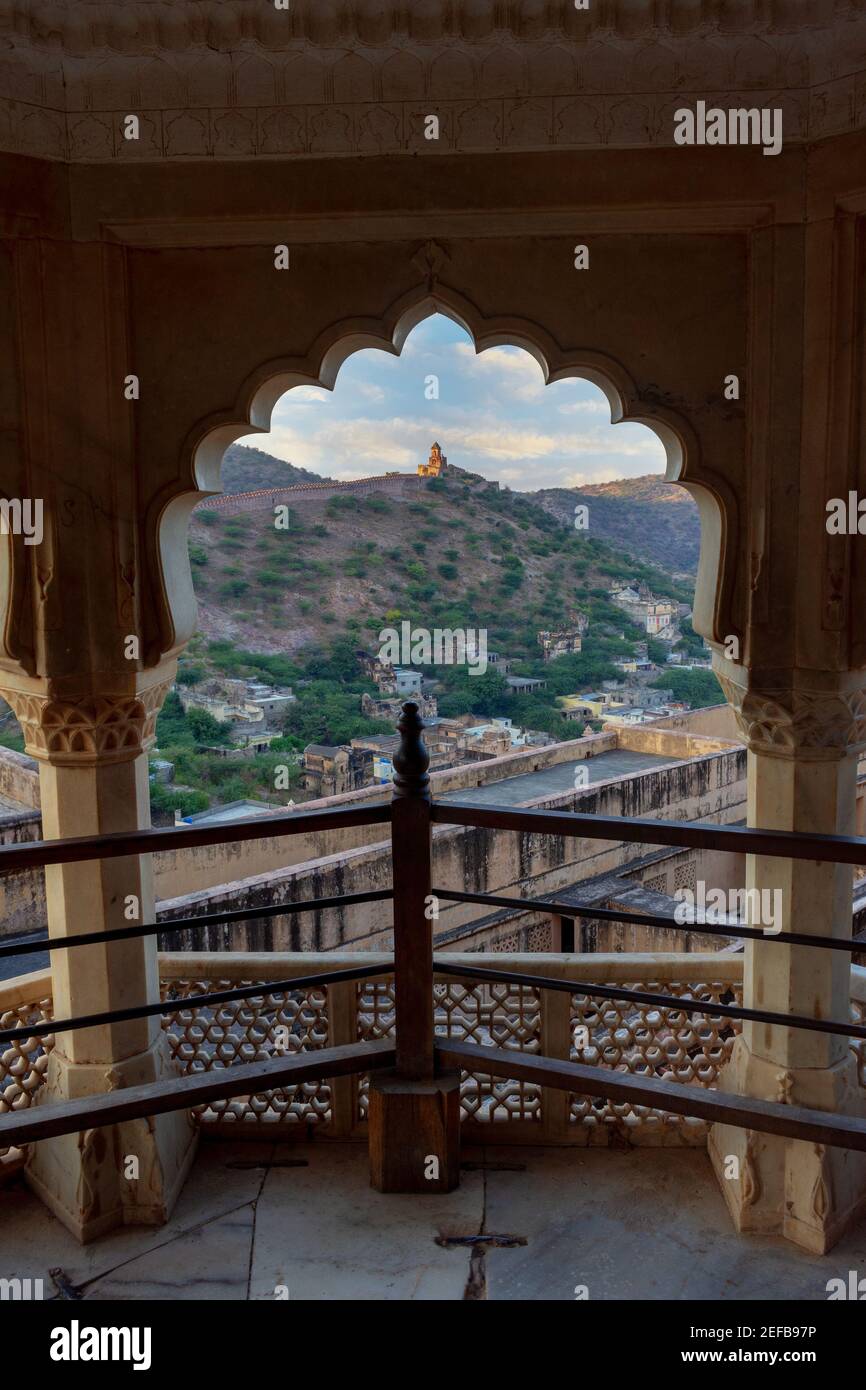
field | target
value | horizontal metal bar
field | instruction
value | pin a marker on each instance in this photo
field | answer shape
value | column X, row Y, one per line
column 166, row 1006
column 651, row 919
column 736, row 839
column 126, row 842
column 212, row 919
column 45, row 1121
column 720, row 1107
column 664, row 1001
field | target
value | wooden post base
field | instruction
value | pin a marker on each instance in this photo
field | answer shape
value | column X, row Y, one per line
column 414, row 1129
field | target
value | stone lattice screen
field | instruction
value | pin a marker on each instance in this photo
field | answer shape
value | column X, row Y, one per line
column 249, row 1030
column 23, row 1064
column 644, row 1040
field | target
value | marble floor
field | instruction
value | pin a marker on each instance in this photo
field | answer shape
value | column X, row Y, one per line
column 264, row 1221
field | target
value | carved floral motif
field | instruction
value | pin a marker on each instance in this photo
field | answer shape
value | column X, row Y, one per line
column 230, row 78
column 793, row 721
column 104, row 728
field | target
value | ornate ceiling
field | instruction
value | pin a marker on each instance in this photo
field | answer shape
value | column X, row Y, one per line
column 240, row 78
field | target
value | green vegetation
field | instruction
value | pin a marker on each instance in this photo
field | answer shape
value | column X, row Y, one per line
column 698, row 688
column 298, row 603
column 326, row 712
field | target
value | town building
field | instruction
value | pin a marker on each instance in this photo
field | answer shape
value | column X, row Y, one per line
column 389, row 706
column 564, row 643
column 331, row 770
column 657, row 617
column 407, row 681
column 524, row 685
column 238, row 702
column 380, row 672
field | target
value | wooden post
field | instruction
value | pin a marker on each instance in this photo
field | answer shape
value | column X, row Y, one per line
column 414, row 1115
column 412, row 854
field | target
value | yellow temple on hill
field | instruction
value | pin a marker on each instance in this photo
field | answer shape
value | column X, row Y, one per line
column 436, row 464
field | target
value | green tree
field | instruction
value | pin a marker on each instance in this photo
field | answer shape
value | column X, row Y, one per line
column 206, row 729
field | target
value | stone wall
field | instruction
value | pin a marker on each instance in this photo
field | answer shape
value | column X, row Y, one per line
column 22, row 895
column 714, row 721
column 265, row 499
column 19, row 778
column 185, row 871
column 710, row 787
column 178, row 873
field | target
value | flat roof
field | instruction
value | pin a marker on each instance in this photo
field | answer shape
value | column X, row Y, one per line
column 233, row 810
column 514, row 791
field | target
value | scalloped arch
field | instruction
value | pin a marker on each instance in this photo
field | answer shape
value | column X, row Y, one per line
column 320, row 366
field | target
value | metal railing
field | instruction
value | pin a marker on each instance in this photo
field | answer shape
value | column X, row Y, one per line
column 416, row 1054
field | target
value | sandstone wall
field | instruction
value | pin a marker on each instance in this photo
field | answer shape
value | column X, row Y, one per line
column 19, row 778
column 476, row 860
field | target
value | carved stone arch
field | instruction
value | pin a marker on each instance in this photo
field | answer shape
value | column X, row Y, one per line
column 320, row 366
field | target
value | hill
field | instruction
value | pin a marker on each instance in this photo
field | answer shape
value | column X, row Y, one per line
column 647, row 517
column 459, row 553
column 245, row 469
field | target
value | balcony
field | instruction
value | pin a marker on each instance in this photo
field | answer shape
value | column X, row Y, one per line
column 280, row 1196
column 417, row 1115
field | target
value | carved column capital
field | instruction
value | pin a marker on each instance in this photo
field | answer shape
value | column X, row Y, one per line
column 808, row 715
column 80, row 730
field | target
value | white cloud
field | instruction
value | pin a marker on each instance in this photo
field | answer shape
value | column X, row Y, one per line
column 305, row 395
column 371, row 392
column 590, row 407
column 509, row 443
column 513, row 370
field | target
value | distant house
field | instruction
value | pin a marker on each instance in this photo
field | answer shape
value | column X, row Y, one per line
column 524, row 685
column 592, row 705
column 379, row 749
column 408, row 682
column 556, row 644
column 630, row 714
column 238, row 702
column 330, row 770
column 389, row 707
column 273, row 703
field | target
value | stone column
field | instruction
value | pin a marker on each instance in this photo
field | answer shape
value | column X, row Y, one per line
column 93, row 780
column 803, row 744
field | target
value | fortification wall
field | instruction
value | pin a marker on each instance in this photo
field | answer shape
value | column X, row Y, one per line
column 265, row 499
column 186, row 871
column 712, row 787
column 182, row 872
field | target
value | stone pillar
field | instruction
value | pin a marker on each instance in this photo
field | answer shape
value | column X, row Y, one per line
column 93, row 780
column 803, row 753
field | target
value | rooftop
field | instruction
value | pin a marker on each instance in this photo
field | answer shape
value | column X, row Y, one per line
column 232, row 810
column 514, row 791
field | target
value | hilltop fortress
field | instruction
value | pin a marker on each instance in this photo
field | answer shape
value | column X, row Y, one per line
column 397, row 484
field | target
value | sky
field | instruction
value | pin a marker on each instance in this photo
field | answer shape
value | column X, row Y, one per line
column 494, row 416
